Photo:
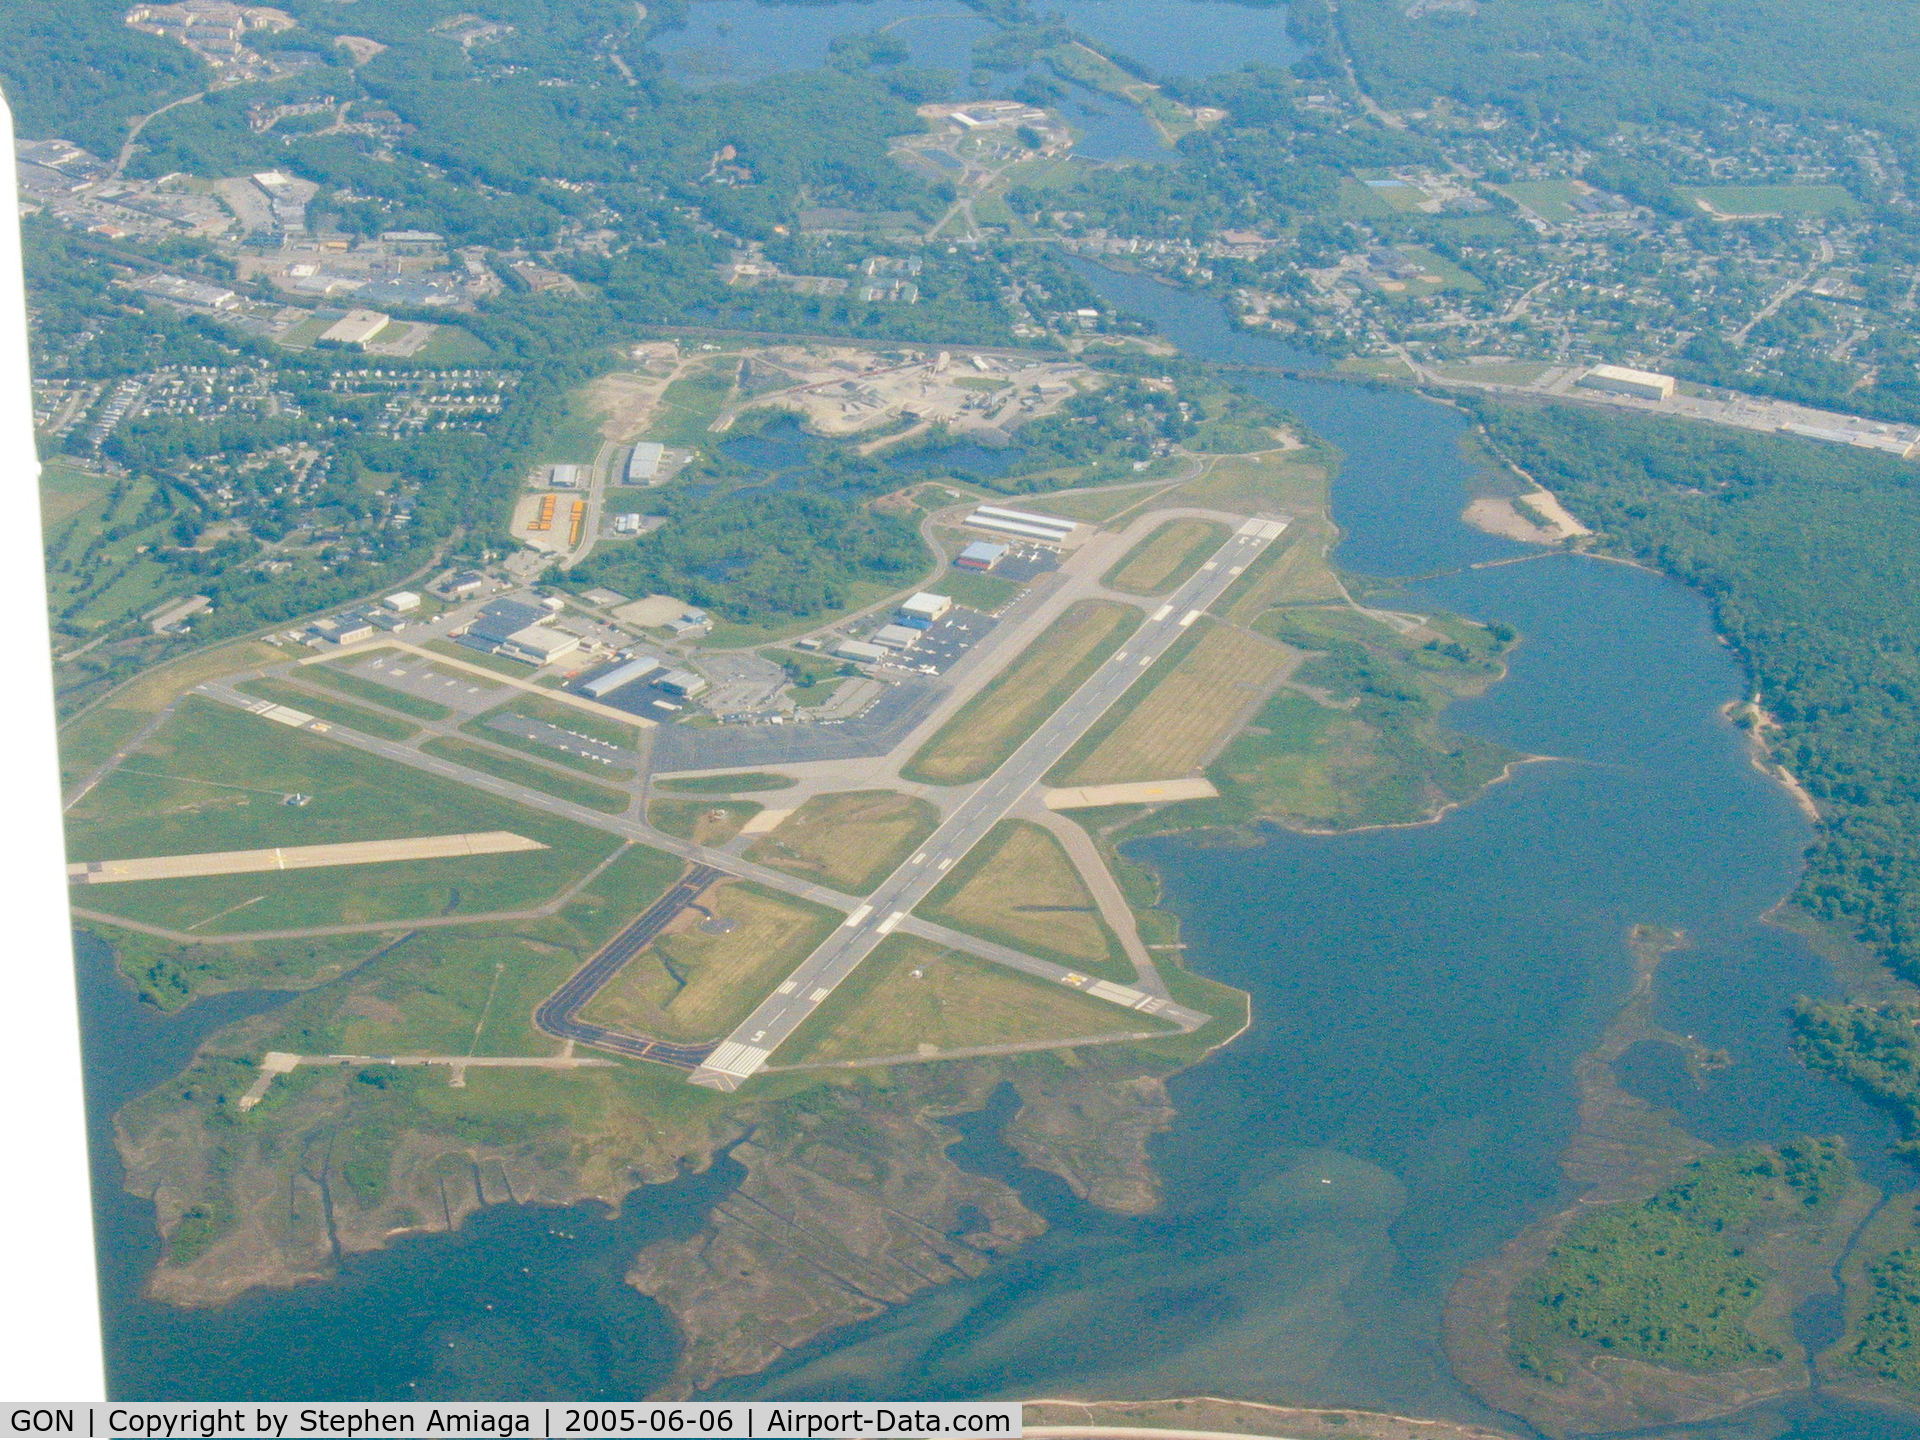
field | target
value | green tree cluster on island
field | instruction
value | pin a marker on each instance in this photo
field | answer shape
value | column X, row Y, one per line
column 1671, row 1279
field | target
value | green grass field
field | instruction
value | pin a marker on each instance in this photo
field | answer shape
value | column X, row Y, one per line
column 1019, row 887
column 986, row 593
column 911, row 993
column 705, row 822
column 741, row 782
column 691, row 984
column 214, row 779
column 362, row 688
column 691, row 404
column 536, row 777
column 1788, row 200
column 1549, row 199
column 991, row 726
column 1166, row 558
column 849, row 841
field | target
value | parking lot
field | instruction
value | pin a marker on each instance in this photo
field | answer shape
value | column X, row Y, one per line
column 952, row 636
column 893, row 716
column 466, row 693
column 557, row 738
column 1025, row 563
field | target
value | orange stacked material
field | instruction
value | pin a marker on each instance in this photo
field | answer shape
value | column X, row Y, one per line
column 543, row 520
column 577, row 523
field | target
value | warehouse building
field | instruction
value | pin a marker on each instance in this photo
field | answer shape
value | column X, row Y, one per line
column 568, row 477
column 402, row 601
column 897, row 637
column 683, row 683
column 1047, row 528
column 355, row 329
column 503, row 618
column 626, row 673
column 538, row 645
column 643, row 465
column 859, row 651
column 1618, row 380
column 981, row 555
column 925, row 606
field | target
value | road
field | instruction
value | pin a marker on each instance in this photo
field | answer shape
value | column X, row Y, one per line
column 559, row 1014
column 747, row 1049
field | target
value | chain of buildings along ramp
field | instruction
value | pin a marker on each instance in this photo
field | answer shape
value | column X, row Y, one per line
column 299, row 857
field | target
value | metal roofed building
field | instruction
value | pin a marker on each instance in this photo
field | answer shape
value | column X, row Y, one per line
column 925, row 605
column 897, row 637
column 643, row 465
column 1618, row 380
column 683, row 683
column 981, row 555
column 859, row 650
column 538, row 645
column 355, row 329
column 625, row 674
column 503, row 618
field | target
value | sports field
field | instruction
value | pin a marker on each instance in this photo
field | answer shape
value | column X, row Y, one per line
column 991, row 726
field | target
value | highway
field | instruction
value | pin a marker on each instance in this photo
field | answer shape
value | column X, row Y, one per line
column 559, row 1014
column 744, row 1052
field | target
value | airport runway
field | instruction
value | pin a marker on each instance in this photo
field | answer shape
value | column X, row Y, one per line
column 559, row 1014
column 747, row 1049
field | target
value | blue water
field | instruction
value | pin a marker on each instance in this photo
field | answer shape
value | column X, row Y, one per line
column 1185, row 37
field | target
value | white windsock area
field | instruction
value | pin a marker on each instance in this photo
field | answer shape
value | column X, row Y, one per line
column 57, row 1352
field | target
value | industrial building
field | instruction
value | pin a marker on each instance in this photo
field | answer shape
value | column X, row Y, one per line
column 981, row 555
column 355, row 329
column 345, row 629
column 1048, row 529
column 538, row 645
column 1618, row 380
column 637, row 668
column 683, row 683
column 503, row 617
column 643, row 465
column 897, row 637
column 626, row 524
column 859, row 651
column 925, row 606
column 568, row 477
column 400, row 602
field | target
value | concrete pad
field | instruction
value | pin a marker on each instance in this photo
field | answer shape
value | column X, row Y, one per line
column 298, row 857
column 763, row 822
column 1138, row 792
column 652, row 612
